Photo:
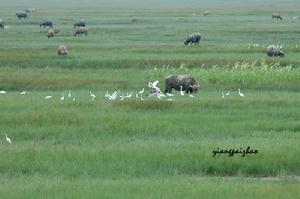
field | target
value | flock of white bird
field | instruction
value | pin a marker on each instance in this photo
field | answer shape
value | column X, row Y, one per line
column 155, row 93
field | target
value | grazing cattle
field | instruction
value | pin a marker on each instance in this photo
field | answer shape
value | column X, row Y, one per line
column 62, row 50
column 194, row 38
column 52, row 32
column 79, row 23
column 46, row 23
column 186, row 82
column 276, row 16
column 275, row 51
column 56, row 30
column 81, row 30
column 206, row 12
column 1, row 23
column 30, row 10
column 134, row 19
column 295, row 17
column 22, row 15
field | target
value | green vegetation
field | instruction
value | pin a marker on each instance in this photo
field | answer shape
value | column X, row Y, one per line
column 152, row 148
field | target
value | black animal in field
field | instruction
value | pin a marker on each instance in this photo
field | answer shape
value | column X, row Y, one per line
column 185, row 83
column 46, row 23
column 274, row 50
column 1, row 23
column 22, row 15
column 80, row 23
column 276, row 16
column 194, row 38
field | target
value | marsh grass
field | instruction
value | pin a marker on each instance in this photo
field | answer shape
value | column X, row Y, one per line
column 151, row 148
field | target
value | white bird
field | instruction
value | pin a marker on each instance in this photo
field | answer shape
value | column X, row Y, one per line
column 169, row 94
column 136, row 95
column 92, row 95
column 48, row 97
column 191, row 95
column 2, row 92
column 23, row 93
column 129, row 95
column 107, row 94
column 62, row 98
column 228, row 93
column 74, row 99
column 142, row 98
column 181, row 92
column 223, row 96
column 170, row 99
column 153, row 85
column 241, row 94
column 69, row 95
column 156, row 94
column 8, row 139
column 141, row 91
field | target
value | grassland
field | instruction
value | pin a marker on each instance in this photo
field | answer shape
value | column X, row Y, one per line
column 152, row 148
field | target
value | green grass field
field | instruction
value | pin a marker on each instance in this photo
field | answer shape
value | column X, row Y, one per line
column 152, row 148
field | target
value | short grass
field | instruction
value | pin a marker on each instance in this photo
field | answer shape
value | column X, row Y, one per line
column 152, row 148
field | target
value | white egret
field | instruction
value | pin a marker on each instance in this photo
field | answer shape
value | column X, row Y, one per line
column 170, row 99
column 141, row 91
column 8, row 139
column 92, row 95
column 241, row 94
column 2, row 92
column 169, row 94
column 228, row 93
column 69, row 95
column 62, row 98
column 181, row 92
column 191, row 95
column 107, row 94
column 23, row 93
column 129, row 95
column 153, row 85
column 74, row 99
column 48, row 97
column 223, row 96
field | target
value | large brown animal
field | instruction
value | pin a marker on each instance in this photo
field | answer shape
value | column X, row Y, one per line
column 62, row 50
column 52, row 32
column 275, row 51
column 276, row 16
column 185, row 83
column 80, row 30
column 1, row 23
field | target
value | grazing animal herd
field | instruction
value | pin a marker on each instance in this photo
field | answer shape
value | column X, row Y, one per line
column 81, row 29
